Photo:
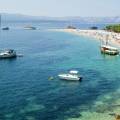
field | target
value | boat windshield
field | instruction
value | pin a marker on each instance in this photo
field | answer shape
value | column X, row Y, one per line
column 73, row 72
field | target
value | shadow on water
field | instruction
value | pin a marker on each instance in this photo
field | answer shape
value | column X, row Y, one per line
column 8, row 59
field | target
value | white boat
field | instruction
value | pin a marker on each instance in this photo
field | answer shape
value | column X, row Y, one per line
column 29, row 28
column 72, row 76
column 107, row 49
column 8, row 54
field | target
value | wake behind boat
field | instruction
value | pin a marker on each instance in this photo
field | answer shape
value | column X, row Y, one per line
column 71, row 76
column 8, row 54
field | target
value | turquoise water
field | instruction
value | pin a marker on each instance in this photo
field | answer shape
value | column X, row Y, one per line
column 26, row 93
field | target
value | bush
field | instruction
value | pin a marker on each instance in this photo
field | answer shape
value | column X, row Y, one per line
column 113, row 28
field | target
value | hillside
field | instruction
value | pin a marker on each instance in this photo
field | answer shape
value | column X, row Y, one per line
column 83, row 20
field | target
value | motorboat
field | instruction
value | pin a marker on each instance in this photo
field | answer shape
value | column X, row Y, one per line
column 5, row 28
column 72, row 76
column 8, row 54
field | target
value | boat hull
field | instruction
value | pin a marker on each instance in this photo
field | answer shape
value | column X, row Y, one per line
column 109, row 52
column 6, row 28
column 30, row 28
column 7, row 56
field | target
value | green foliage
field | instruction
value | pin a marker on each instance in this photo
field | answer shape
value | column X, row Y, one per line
column 113, row 28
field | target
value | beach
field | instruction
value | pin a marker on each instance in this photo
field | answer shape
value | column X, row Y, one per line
column 102, row 35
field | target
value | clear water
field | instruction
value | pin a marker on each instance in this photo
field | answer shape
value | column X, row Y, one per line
column 26, row 93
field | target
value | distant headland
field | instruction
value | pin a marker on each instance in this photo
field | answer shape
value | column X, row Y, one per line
column 82, row 20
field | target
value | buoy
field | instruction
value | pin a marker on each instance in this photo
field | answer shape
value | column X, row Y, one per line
column 51, row 78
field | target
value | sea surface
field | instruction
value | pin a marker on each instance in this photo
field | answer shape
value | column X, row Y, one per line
column 27, row 93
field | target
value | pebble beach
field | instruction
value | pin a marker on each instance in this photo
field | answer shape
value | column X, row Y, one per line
column 114, row 38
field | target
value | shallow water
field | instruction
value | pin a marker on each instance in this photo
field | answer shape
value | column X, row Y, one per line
column 26, row 93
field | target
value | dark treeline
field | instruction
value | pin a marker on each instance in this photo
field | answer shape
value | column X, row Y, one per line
column 113, row 28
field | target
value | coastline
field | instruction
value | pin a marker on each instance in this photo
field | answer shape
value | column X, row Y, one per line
column 106, row 107
column 113, row 37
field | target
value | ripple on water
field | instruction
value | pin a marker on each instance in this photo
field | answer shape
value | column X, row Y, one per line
column 9, row 115
column 30, row 99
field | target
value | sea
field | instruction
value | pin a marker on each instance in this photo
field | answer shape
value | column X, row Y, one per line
column 27, row 93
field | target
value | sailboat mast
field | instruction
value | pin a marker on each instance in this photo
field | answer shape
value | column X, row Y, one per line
column 107, row 40
column 0, row 21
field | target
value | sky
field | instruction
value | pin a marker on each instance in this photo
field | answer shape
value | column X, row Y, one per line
column 62, row 8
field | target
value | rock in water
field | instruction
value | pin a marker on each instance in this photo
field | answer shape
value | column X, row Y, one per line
column 117, row 117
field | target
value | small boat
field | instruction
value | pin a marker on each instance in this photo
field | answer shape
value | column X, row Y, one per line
column 8, row 54
column 29, row 28
column 5, row 28
column 71, row 76
column 108, row 49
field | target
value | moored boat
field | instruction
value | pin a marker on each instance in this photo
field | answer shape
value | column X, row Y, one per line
column 29, row 28
column 71, row 76
column 8, row 54
column 5, row 28
column 108, row 49
column 105, row 49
